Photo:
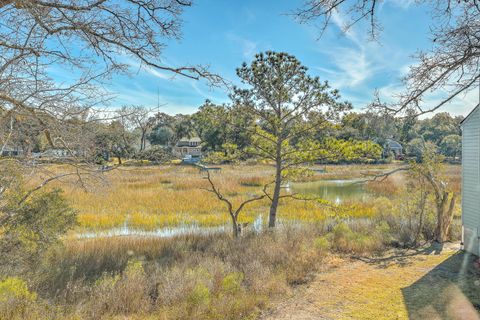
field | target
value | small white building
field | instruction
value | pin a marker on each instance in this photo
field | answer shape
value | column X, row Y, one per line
column 188, row 147
column 9, row 151
column 56, row 153
column 392, row 147
column 61, row 153
column 471, row 181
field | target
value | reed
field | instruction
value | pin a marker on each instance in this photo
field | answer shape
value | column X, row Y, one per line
column 166, row 196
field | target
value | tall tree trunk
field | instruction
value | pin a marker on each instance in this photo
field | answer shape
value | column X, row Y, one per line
column 421, row 212
column 119, row 159
column 444, row 216
column 143, row 141
column 235, row 226
column 278, row 183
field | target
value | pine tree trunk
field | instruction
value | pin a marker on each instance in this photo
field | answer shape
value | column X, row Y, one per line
column 276, row 191
column 274, row 206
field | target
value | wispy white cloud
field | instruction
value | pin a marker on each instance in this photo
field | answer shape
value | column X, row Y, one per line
column 352, row 67
column 158, row 74
column 360, row 66
column 249, row 15
column 354, row 63
column 403, row 4
column 138, row 67
column 248, row 47
column 340, row 22
column 205, row 93
column 460, row 105
column 149, row 86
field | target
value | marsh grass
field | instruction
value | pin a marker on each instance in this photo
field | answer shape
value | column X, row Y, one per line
column 352, row 171
column 254, row 181
column 391, row 186
column 185, row 277
column 154, row 197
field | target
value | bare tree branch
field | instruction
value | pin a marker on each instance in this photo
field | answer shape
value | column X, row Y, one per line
column 450, row 68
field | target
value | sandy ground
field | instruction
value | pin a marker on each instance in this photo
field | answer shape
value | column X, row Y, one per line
column 431, row 283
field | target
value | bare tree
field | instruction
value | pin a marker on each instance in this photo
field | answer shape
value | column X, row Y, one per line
column 102, row 28
column 55, row 54
column 138, row 118
column 452, row 65
column 428, row 171
column 232, row 211
column 445, row 199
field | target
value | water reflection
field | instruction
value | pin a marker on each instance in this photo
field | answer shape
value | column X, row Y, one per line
column 165, row 232
column 336, row 191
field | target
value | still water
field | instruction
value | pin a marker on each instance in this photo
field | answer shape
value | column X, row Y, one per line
column 336, row 191
column 165, row 232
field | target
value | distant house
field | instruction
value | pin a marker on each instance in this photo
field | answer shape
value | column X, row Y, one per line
column 61, row 153
column 190, row 147
column 56, row 153
column 9, row 151
column 393, row 147
column 471, row 181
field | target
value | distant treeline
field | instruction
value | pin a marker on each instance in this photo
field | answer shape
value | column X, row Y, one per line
column 220, row 126
column 138, row 132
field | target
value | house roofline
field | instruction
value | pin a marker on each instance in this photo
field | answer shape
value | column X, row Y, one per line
column 471, row 112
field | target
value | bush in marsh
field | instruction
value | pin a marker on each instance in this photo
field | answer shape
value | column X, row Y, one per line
column 15, row 299
column 411, row 217
column 255, row 181
column 365, row 240
column 29, row 228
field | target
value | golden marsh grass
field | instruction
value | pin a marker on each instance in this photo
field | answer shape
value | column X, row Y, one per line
column 162, row 196
column 153, row 197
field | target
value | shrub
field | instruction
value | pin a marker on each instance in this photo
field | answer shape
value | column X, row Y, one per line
column 155, row 155
column 37, row 225
column 252, row 181
column 185, row 277
column 232, row 282
column 367, row 241
column 15, row 289
column 322, row 244
column 200, row 295
column 228, row 154
column 15, row 298
column 125, row 293
column 408, row 223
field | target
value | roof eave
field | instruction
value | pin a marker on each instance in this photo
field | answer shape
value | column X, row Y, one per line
column 471, row 112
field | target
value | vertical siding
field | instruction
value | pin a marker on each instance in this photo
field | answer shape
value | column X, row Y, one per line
column 471, row 180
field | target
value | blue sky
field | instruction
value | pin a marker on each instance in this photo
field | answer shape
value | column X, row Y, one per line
column 223, row 34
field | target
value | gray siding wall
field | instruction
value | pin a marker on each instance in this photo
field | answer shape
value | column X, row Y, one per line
column 471, row 181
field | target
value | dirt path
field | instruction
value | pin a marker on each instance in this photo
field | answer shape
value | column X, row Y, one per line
column 403, row 285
